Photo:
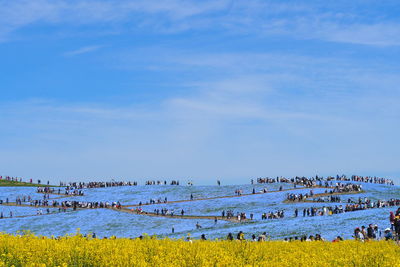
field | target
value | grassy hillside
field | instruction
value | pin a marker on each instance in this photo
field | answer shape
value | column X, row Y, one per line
column 15, row 183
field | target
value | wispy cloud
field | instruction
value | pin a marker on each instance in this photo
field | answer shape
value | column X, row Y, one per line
column 83, row 50
column 301, row 20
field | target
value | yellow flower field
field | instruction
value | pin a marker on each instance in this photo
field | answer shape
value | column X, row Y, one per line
column 29, row 250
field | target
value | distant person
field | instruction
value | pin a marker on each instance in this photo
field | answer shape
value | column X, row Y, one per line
column 262, row 237
column 337, row 239
column 392, row 220
column 229, row 237
column 388, row 234
column 240, row 236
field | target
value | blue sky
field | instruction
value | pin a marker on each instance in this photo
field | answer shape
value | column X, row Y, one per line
column 94, row 90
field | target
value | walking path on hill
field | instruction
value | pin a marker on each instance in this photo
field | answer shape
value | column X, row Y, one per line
column 197, row 217
column 221, row 197
column 36, row 215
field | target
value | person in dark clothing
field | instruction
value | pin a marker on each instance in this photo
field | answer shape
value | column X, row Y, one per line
column 370, row 232
column 229, row 237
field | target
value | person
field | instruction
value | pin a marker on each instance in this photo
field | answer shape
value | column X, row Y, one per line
column 240, row 236
column 215, row 220
column 318, row 237
column 338, row 239
column 358, row 235
column 191, row 196
column 229, row 237
column 371, row 232
column 203, row 237
column 364, row 232
column 253, row 237
column 198, row 226
column 392, row 219
column 262, row 237
column 173, row 230
column 388, row 234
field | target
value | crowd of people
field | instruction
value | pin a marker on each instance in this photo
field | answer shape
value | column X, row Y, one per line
column 19, row 179
column 10, row 178
column 338, row 188
column 300, row 196
column 240, row 216
column 302, row 181
column 82, row 185
column 240, row 236
column 156, row 201
column 317, row 180
column 238, row 192
column 321, row 211
column 304, row 238
column 159, row 182
column 170, row 212
column 372, row 232
column 370, row 179
column 330, row 198
column 273, row 215
column 345, row 188
column 69, row 191
column 74, row 204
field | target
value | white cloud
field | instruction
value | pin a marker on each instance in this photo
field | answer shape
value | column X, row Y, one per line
column 336, row 23
column 380, row 34
column 83, row 50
